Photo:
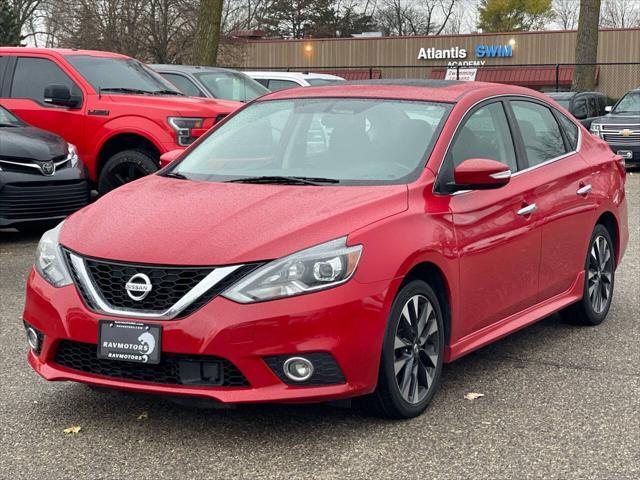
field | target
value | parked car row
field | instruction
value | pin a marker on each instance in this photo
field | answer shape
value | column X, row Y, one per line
column 121, row 116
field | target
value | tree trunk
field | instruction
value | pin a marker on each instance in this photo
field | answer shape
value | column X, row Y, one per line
column 584, row 76
column 207, row 37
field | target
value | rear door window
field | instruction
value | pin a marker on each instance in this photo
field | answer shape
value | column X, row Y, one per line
column 570, row 131
column 32, row 75
column 540, row 132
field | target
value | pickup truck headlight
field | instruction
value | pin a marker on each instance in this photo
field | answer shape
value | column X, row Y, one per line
column 184, row 126
column 49, row 260
column 596, row 129
column 318, row 268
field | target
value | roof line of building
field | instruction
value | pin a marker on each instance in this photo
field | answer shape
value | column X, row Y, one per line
column 452, row 35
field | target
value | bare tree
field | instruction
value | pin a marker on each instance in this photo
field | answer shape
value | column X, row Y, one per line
column 567, row 13
column 620, row 14
column 422, row 17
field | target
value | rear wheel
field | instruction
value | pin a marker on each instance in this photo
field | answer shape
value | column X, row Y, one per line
column 599, row 281
column 411, row 361
column 125, row 167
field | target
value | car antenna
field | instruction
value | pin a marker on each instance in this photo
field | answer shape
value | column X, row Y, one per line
column 99, row 92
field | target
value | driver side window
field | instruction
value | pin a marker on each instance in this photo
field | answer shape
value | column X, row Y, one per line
column 485, row 134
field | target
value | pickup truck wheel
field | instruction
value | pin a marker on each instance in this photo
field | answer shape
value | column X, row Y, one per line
column 124, row 167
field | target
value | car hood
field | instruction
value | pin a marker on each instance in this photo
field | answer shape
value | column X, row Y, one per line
column 29, row 143
column 185, row 106
column 619, row 119
column 161, row 220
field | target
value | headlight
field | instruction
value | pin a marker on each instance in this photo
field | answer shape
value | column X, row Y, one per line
column 596, row 129
column 72, row 154
column 49, row 261
column 317, row 268
column 183, row 127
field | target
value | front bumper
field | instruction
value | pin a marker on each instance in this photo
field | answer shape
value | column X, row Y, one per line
column 27, row 198
column 348, row 322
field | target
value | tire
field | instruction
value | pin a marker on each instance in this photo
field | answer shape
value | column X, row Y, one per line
column 402, row 347
column 589, row 310
column 124, row 167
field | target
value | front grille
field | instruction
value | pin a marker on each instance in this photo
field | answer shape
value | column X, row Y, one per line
column 325, row 369
column 33, row 200
column 83, row 357
column 26, row 165
column 619, row 139
column 169, row 284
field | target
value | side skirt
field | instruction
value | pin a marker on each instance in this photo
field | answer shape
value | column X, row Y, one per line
column 515, row 322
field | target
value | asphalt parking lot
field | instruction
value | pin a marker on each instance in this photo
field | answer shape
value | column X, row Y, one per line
column 560, row 402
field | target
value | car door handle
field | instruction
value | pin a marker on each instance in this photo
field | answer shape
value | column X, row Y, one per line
column 584, row 190
column 528, row 210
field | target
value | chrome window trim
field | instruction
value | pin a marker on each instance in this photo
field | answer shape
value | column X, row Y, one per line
column 100, row 305
column 506, row 95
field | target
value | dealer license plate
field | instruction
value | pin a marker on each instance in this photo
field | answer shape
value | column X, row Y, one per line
column 129, row 341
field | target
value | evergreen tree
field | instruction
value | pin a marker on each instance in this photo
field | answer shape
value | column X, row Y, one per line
column 9, row 30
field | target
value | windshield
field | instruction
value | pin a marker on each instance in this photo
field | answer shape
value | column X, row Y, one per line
column 563, row 101
column 317, row 82
column 630, row 103
column 121, row 75
column 231, row 86
column 368, row 141
column 8, row 119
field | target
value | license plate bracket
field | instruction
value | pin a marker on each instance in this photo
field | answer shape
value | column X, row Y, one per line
column 129, row 341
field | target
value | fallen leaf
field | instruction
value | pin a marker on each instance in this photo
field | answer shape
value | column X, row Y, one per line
column 473, row 395
column 143, row 416
column 73, row 429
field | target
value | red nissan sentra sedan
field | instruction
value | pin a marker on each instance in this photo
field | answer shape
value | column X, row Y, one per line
column 334, row 242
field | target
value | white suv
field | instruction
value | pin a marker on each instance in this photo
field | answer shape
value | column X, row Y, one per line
column 282, row 80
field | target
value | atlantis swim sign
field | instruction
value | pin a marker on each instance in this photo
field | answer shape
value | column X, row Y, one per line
column 460, row 54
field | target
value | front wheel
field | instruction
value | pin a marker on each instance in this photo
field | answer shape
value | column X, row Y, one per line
column 125, row 167
column 599, row 281
column 411, row 361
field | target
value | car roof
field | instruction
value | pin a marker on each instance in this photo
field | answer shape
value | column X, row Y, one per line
column 189, row 68
column 60, row 51
column 427, row 90
column 296, row 75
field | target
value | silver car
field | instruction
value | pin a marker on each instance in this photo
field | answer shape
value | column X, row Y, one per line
column 211, row 82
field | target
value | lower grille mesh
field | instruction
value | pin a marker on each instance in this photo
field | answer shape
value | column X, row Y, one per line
column 82, row 357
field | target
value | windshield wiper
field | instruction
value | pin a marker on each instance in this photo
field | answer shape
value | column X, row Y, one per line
column 167, row 92
column 282, row 180
column 176, row 175
column 7, row 125
column 135, row 91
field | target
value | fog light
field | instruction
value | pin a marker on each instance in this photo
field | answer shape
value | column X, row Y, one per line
column 33, row 339
column 298, row 369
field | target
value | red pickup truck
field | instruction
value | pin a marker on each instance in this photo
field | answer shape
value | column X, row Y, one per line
column 119, row 113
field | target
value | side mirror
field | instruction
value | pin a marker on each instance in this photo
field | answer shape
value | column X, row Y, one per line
column 169, row 157
column 580, row 111
column 608, row 108
column 481, row 174
column 60, row 95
